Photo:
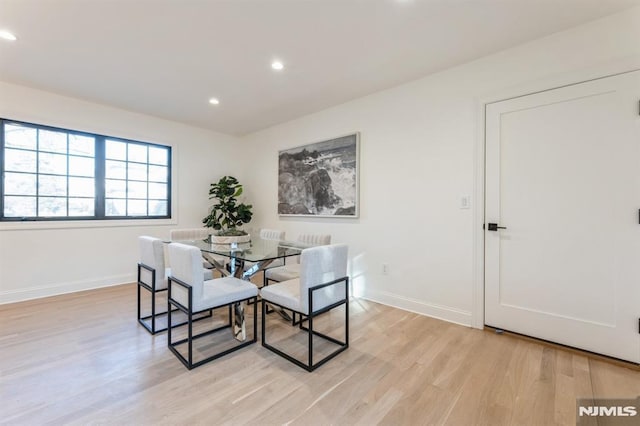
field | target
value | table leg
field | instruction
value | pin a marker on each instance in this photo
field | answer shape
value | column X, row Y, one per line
column 219, row 266
column 281, row 312
column 239, row 325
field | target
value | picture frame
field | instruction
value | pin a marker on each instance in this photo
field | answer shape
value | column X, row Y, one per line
column 320, row 179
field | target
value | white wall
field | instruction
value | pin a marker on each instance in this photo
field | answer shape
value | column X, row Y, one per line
column 41, row 259
column 420, row 143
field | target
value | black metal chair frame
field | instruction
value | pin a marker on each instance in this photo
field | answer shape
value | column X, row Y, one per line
column 144, row 320
column 265, row 282
column 310, row 365
column 188, row 362
column 152, row 289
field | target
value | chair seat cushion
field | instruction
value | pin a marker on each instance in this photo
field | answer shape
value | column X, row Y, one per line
column 285, row 294
column 162, row 284
column 222, row 291
column 283, row 273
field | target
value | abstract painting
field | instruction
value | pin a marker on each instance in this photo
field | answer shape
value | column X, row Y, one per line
column 320, row 179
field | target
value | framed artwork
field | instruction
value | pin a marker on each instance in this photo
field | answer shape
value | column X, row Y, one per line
column 320, row 179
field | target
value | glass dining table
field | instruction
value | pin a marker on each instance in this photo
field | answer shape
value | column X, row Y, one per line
column 245, row 260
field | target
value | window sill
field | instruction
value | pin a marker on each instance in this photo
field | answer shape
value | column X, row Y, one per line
column 78, row 224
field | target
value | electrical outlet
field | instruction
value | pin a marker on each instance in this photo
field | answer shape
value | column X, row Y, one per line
column 385, row 269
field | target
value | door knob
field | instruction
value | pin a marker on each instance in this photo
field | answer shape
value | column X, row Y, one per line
column 495, row 227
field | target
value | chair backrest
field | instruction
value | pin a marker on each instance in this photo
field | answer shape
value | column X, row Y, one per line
column 320, row 265
column 271, row 234
column 152, row 255
column 190, row 234
column 186, row 265
column 315, row 239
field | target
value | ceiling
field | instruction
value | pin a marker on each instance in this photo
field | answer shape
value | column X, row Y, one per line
column 166, row 58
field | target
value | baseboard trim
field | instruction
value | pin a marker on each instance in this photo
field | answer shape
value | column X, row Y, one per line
column 445, row 313
column 21, row 295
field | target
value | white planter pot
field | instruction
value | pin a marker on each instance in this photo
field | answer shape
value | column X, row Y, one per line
column 224, row 239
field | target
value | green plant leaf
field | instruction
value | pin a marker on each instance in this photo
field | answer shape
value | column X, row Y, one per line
column 226, row 213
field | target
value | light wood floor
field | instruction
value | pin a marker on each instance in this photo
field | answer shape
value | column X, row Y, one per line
column 83, row 359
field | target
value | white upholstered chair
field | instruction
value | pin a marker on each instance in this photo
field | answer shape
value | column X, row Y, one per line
column 291, row 269
column 322, row 286
column 191, row 294
column 197, row 234
column 152, row 276
column 272, row 234
column 190, row 233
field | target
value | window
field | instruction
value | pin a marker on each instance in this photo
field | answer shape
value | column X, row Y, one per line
column 136, row 179
column 51, row 173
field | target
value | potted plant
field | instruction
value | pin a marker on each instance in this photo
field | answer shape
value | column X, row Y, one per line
column 227, row 215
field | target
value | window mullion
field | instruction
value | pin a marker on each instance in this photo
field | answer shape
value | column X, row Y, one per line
column 68, row 195
column 37, row 215
column 100, row 177
column 2, row 168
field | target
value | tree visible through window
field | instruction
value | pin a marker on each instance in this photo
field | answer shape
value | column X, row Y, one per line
column 52, row 173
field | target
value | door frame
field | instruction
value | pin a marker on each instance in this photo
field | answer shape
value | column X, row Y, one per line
column 550, row 83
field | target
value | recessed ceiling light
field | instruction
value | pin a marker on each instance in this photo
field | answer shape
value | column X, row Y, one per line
column 277, row 65
column 7, row 36
column 214, row 101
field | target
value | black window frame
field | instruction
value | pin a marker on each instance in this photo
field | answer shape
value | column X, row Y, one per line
column 99, row 176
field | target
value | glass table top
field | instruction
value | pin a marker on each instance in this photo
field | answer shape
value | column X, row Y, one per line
column 256, row 250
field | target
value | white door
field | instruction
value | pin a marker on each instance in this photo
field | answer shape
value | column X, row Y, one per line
column 563, row 177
